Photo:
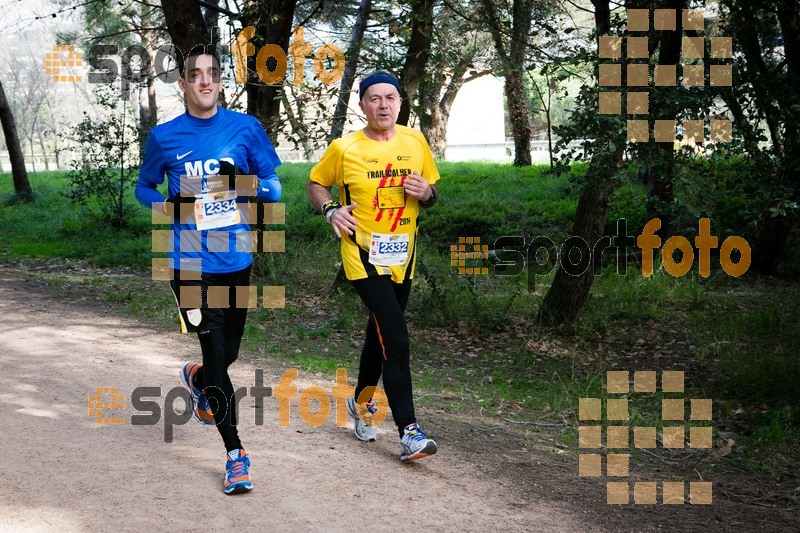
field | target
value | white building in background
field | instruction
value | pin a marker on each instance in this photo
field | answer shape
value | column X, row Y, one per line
column 476, row 129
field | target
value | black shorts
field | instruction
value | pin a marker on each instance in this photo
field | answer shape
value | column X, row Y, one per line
column 201, row 310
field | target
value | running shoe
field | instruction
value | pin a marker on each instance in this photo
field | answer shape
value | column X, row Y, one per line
column 363, row 430
column 200, row 408
column 415, row 444
column 237, row 473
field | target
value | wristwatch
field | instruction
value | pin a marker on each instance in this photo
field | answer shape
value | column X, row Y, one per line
column 432, row 197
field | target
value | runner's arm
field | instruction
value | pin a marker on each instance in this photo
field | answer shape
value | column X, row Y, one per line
column 318, row 194
column 419, row 188
column 269, row 188
column 263, row 160
column 151, row 174
column 431, row 198
column 339, row 217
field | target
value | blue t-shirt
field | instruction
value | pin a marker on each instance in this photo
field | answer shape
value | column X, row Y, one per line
column 191, row 146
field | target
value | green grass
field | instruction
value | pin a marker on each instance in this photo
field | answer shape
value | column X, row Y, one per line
column 634, row 299
column 491, row 200
column 51, row 227
column 739, row 337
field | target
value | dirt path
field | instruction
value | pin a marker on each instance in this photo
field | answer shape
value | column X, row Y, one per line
column 62, row 471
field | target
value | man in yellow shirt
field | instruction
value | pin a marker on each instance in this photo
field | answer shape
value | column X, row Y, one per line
column 384, row 173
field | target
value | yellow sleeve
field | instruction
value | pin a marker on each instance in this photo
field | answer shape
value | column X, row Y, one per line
column 329, row 169
column 429, row 170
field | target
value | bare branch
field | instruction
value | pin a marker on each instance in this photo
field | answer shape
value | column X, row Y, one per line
column 123, row 32
column 218, row 9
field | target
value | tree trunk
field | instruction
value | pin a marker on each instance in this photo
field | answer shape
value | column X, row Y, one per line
column 513, row 56
column 351, row 61
column 429, row 111
column 273, row 23
column 446, row 103
column 568, row 293
column 515, row 89
column 297, row 127
column 33, row 154
column 40, row 137
column 431, row 124
column 659, row 176
column 57, row 151
column 148, row 109
column 517, row 101
column 211, row 20
column 419, row 51
column 435, row 105
column 146, row 121
column 769, row 244
column 438, row 137
column 547, row 108
column 185, row 24
column 747, row 36
column 22, row 186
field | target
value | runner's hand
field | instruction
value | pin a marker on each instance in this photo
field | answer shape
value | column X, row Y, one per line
column 417, row 186
column 230, row 170
column 172, row 208
column 343, row 220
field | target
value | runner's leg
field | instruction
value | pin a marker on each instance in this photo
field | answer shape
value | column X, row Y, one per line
column 389, row 346
column 235, row 318
column 371, row 364
column 220, row 347
column 217, row 386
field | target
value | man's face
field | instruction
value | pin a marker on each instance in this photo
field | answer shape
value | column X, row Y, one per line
column 201, row 83
column 381, row 105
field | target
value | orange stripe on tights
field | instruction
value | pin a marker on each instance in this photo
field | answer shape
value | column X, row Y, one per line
column 380, row 337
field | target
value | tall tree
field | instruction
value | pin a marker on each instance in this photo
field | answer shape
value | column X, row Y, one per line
column 460, row 53
column 745, row 22
column 511, row 41
column 546, row 92
column 774, row 79
column 134, row 29
column 29, row 89
column 580, row 254
column 306, row 116
column 772, row 234
column 185, row 23
column 660, row 157
column 351, row 62
column 417, row 54
column 273, row 25
column 437, row 93
column 22, row 186
column 148, row 107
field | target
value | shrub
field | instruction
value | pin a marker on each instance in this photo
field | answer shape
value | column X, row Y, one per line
column 108, row 146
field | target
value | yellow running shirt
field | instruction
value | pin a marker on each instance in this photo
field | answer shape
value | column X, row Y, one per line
column 371, row 174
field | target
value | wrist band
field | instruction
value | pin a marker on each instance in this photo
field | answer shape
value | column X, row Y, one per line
column 329, row 206
column 329, row 214
column 432, row 197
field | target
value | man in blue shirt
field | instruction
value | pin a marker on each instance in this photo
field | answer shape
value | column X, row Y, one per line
column 201, row 153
